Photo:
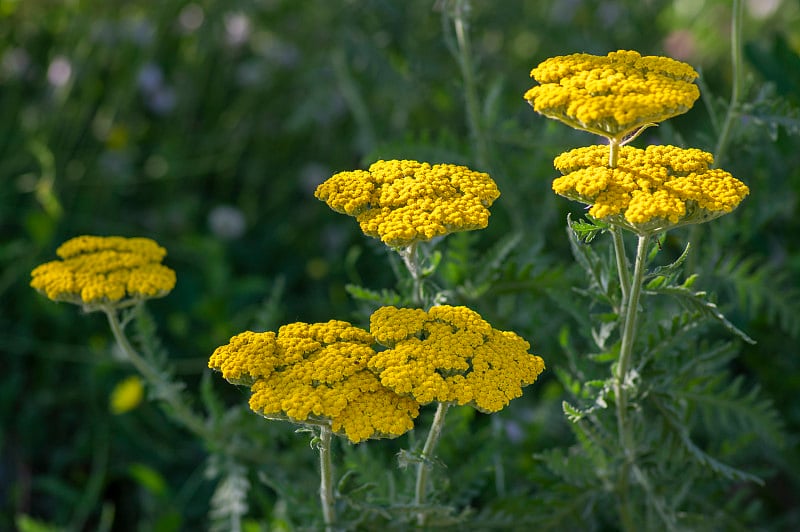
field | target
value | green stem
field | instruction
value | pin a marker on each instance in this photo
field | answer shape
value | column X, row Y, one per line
column 736, row 78
column 464, row 57
column 425, row 464
column 613, row 152
column 164, row 389
column 622, row 265
column 620, row 384
column 619, row 242
column 411, row 261
column 326, row 477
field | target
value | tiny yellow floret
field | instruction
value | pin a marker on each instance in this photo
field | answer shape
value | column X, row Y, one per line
column 403, row 202
column 649, row 190
column 451, row 354
column 98, row 270
column 316, row 373
column 612, row 95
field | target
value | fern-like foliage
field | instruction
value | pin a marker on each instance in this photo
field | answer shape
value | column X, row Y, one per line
column 762, row 290
column 228, row 504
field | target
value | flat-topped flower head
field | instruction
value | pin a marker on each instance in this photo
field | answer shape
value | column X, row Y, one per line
column 99, row 270
column 612, row 95
column 316, row 373
column 404, row 202
column 649, row 190
column 451, row 354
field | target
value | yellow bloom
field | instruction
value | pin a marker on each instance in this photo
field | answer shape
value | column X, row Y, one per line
column 403, row 202
column 126, row 395
column 649, row 190
column 451, row 354
column 316, row 373
column 98, row 270
column 612, row 95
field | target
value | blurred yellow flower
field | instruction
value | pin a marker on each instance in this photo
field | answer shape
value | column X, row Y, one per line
column 649, row 190
column 612, row 95
column 316, row 373
column 450, row 354
column 404, row 202
column 100, row 270
column 126, row 395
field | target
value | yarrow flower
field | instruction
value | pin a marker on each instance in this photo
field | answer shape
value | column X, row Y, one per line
column 649, row 190
column 404, row 202
column 612, row 95
column 316, row 373
column 451, row 354
column 97, row 270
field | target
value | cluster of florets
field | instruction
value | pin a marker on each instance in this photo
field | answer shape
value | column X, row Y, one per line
column 615, row 96
column 451, row 354
column 96, row 270
column 403, row 202
column 331, row 372
column 649, row 189
column 612, row 95
column 316, row 373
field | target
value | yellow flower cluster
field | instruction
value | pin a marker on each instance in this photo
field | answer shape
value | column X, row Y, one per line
column 316, row 373
column 97, row 270
column 450, row 354
column 650, row 189
column 612, row 95
column 403, row 202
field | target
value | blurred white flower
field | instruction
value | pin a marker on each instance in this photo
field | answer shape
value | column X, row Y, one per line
column 226, row 222
column 191, row 18
column 59, row 72
column 237, row 28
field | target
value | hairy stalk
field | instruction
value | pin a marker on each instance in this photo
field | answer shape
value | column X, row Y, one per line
column 622, row 266
column 425, row 464
column 411, row 260
column 613, row 152
column 164, row 389
column 326, row 477
column 619, row 243
column 620, row 384
column 464, row 57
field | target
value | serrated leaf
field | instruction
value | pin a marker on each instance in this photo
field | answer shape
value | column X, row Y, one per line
column 573, row 413
column 673, row 267
column 384, row 297
column 697, row 301
column 703, row 458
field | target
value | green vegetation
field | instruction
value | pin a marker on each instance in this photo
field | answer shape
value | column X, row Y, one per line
column 207, row 126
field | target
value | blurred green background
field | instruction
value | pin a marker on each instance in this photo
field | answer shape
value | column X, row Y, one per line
column 207, row 125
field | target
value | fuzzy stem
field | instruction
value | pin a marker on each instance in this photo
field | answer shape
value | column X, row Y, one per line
column 326, row 477
column 411, row 260
column 622, row 266
column 620, row 389
column 427, row 455
column 464, row 57
column 164, row 389
column 619, row 243
column 613, row 152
